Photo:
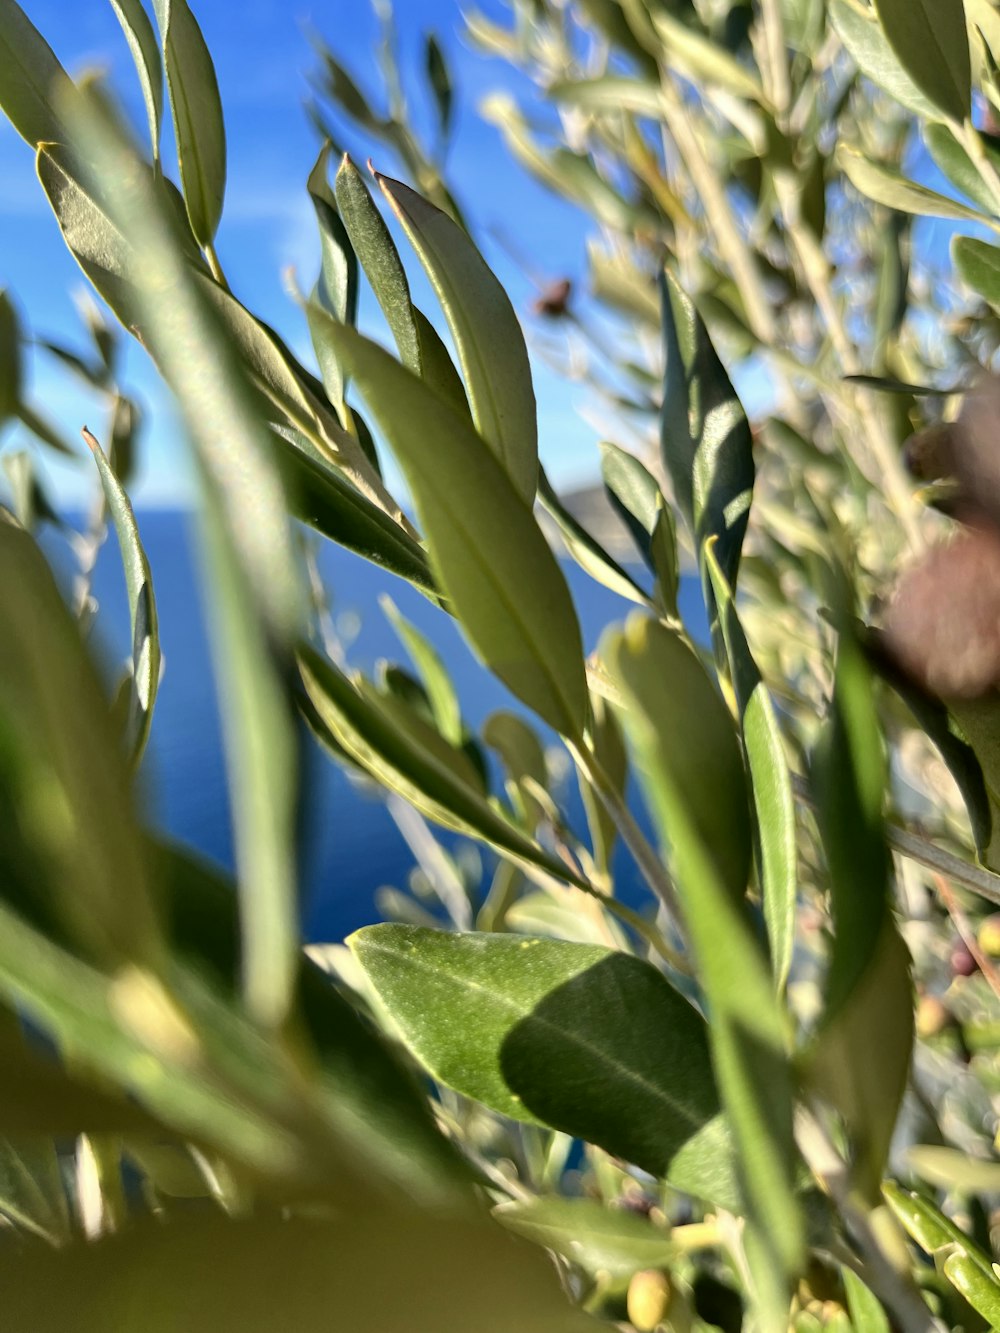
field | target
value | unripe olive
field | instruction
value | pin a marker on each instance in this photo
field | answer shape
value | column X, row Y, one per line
column 989, row 935
column 932, row 1017
column 648, row 1299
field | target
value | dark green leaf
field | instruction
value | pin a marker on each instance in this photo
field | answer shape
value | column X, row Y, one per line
column 142, row 42
column 931, row 43
column 954, row 162
column 31, row 1189
column 770, row 783
column 439, row 78
column 141, row 605
column 599, row 1238
column 867, row 1315
column 860, row 32
column 32, row 81
column 588, row 553
column 704, row 433
column 978, row 265
column 582, row 1038
column 609, row 750
column 10, row 359
column 486, row 548
column 982, row 1292
column 197, row 115
column 487, row 334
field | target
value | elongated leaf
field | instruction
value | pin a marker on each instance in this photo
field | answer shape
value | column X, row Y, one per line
column 694, row 782
column 439, row 78
column 867, row 1315
column 254, row 575
column 394, row 1271
column 588, row 553
column 611, row 92
column 337, row 290
column 982, row 1292
column 589, row 1233
column 10, row 359
column 31, row 1192
column 584, row 1039
column 930, row 40
column 142, row 42
column 141, row 605
column 861, row 1059
column 635, row 495
column 952, row 159
column 863, row 37
column 887, row 186
column 487, row 334
column 770, row 783
column 704, row 59
column 978, row 264
column 704, row 433
column 610, row 752
column 70, row 853
column 440, row 690
column 32, row 81
column 483, row 538
column 929, row 1226
column 411, row 764
column 197, row 116
column 949, row 1169
column 523, row 759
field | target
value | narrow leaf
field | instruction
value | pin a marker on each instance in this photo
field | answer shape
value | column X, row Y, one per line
column 587, row 1040
column 10, row 359
column 586, row 550
column 142, row 42
column 483, row 538
column 141, row 605
column 31, row 1190
column 32, row 81
column 863, row 37
column 930, row 40
column 439, row 78
column 954, row 162
column 440, row 690
column 982, row 1293
column 589, row 1233
column 487, row 334
column 887, row 186
column 978, row 265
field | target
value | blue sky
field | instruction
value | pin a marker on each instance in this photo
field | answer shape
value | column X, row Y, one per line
column 262, row 55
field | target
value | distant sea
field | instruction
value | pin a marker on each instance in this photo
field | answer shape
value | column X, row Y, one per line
column 350, row 844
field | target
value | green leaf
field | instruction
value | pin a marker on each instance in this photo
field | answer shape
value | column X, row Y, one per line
column 693, row 777
column 141, row 605
column 585, row 1039
column 523, row 758
column 43, row 430
column 32, row 81
column 31, row 1190
column 439, row 78
column 887, row 186
column 635, row 495
column 586, row 550
column 930, row 1228
column 69, row 850
column 254, row 576
column 861, row 1059
column 704, row 433
column 10, row 359
column 863, row 37
column 588, row 1233
column 197, row 115
column 337, row 290
column 440, row 690
column 392, row 1270
column 770, row 783
column 954, row 162
column 610, row 752
column 487, row 550
column 931, row 43
column 29, row 500
column 978, row 265
column 417, row 763
column 487, row 334
column 951, row 1170
column 982, row 1292
column 703, row 59
column 142, row 42
column 611, row 92
column 865, row 1309
column 849, row 779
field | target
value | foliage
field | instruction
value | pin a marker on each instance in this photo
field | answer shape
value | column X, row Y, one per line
column 768, row 1095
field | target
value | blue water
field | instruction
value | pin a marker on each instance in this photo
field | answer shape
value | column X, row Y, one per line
column 351, row 845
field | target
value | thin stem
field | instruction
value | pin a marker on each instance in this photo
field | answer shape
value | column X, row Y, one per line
column 778, row 84
column 967, row 934
column 214, row 267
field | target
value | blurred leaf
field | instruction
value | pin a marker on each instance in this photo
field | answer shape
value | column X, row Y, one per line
column 346, row 93
column 433, row 673
column 254, row 578
column 486, row 547
column 586, row 550
column 705, row 436
column 585, row 1039
column 863, row 37
column 982, row 1292
column 978, row 265
column 69, row 847
column 29, row 500
column 704, row 60
column 10, row 359
column 770, row 783
column 589, row 1233
column 197, row 113
column 693, row 778
column 608, row 746
column 31, row 1190
column 141, row 605
column 861, row 1059
column 391, row 1271
column 867, row 1315
column 523, row 758
column 931, row 44
column 337, row 290
column 951, row 1170
column 439, row 78
column 487, row 334
column 142, row 42
column 849, row 777
column 954, row 162
column 611, row 92
column 623, row 286
column 410, row 762
column 887, row 186
column 31, row 78
column 420, row 347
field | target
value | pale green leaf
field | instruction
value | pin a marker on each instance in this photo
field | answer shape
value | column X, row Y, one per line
column 142, row 42
column 436, row 681
column 865, row 1309
column 32, row 81
column 887, row 186
column 931, row 43
column 591, row 1234
column 703, row 59
column 586, row 550
column 863, row 37
column 610, row 92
